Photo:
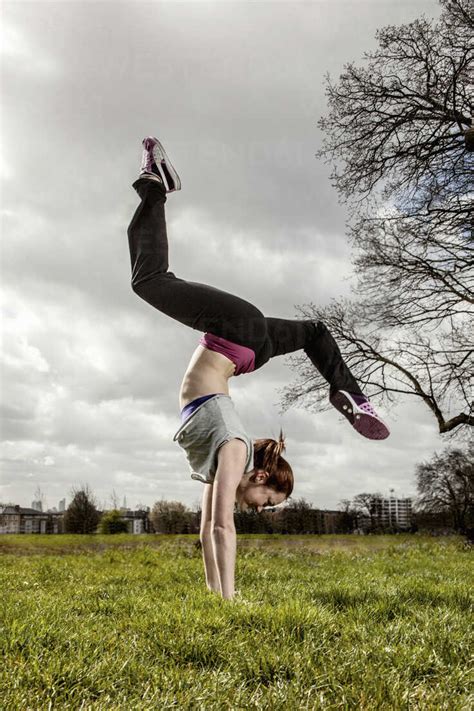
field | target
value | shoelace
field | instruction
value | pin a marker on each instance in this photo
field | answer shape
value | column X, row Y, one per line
column 147, row 160
column 367, row 407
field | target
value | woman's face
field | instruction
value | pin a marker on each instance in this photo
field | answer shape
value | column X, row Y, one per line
column 256, row 494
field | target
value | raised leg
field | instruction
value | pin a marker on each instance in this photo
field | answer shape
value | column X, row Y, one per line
column 288, row 336
column 199, row 306
column 313, row 337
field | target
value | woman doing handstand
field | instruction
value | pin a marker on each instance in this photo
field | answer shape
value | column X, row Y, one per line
column 237, row 338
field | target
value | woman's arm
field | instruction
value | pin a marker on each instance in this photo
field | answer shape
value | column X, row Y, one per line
column 231, row 465
column 212, row 576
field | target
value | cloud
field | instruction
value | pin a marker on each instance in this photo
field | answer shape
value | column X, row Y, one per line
column 22, row 52
column 23, row 355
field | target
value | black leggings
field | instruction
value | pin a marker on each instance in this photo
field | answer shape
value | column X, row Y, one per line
column 211, row 310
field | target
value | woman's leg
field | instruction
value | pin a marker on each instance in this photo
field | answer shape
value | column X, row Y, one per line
column 288, row 336
column 205, row 308
column 199, row 306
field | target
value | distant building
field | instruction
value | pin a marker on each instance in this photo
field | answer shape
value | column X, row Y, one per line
column 62, row 505
column 37, row 505
column 137, row 521
column 391, row 512
column 16, row 519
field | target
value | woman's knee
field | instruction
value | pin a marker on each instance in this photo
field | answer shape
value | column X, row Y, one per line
column 137, row 287
column 288, row 335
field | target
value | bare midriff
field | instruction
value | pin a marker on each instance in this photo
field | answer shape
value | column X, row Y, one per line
column 208, row 372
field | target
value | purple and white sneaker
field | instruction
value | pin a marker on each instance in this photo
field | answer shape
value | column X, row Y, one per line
column 157, row 166
column 360, row 413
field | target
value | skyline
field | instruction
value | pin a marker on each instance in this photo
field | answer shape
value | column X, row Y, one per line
column 107, row 505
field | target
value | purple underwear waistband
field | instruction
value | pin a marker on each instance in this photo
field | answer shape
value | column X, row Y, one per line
column 188, row 409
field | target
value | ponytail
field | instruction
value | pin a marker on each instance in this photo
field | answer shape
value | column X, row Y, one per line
column 267, row 456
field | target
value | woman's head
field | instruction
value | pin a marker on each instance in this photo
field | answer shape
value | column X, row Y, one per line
column 271, row 480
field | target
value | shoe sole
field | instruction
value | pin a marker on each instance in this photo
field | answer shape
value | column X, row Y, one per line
column 365, row 424
column 160, row 155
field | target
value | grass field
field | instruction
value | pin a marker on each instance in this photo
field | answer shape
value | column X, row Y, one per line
column 320, row 622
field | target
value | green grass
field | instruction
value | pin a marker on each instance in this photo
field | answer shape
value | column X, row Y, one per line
column 321, row 622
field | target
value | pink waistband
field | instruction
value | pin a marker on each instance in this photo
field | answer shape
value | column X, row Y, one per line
column 243, row 357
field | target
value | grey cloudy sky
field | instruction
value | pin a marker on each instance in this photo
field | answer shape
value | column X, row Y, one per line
column 90, row 372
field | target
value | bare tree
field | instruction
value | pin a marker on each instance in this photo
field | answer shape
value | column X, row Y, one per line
column 348, row 521
column 364, row 507
column 387, row 363
column 399, row 123
column 396, row 132
column 114, row 499
column 425, row 264
column 446, row 485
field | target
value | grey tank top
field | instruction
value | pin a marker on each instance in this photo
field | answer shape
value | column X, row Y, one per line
column 212, row 424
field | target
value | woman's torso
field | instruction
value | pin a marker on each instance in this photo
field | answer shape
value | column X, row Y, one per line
column 208, row 372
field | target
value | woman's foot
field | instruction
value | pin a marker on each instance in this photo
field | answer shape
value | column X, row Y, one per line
column 157, row 165
column 360, row 413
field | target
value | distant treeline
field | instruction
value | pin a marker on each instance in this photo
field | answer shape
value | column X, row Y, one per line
column 445, row 502
column 297, row 519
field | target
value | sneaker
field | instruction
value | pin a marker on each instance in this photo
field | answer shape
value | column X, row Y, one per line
column 360, row 413
column 155, row 162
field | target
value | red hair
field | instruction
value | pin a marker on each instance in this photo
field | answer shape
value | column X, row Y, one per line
column 267, row 456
